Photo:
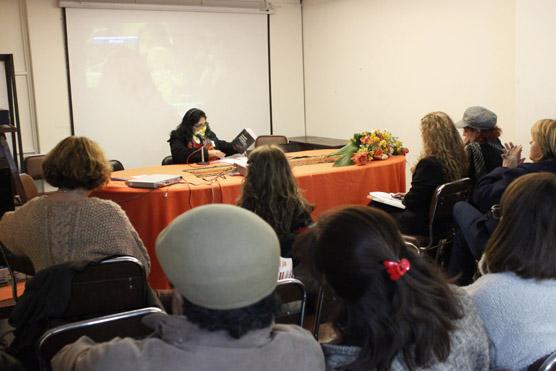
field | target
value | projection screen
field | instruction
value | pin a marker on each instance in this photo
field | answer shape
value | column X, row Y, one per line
column 134, row 73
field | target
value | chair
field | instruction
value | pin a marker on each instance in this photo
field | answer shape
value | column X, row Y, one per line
column 327, row 308
column 15, row 264
column 440, row 216
column 294, row 299
column 110, row 286
column 101, row 329
column 546, row 363
column 32, row 165
column 116, row 165
column 270, row 139
column 29, row 188
column 168, row 160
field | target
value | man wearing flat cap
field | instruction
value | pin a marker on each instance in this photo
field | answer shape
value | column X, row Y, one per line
column 480, row 135
column 224, row 261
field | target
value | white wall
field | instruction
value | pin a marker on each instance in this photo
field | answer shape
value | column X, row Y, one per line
column 287, row 68
column 535, row 70
column 44, row 23
column 49, row 70
column 373, row 64
column 368, row 64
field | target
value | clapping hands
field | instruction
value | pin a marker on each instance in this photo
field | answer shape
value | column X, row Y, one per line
column 511, row 157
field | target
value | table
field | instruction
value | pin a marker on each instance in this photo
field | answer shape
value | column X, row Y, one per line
column 7, row 302
column 322, row 184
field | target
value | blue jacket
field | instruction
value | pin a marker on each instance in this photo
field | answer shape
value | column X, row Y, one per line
column 490, row 188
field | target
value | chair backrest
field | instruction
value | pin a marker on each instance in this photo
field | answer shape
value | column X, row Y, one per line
column 15, row 264
column 550, row 363
column 100, row 329
column 546, row 363
column 443, row 201
column 29, row 187
column 110, row 286
column 32, row 165
column 116, row 165
column 293, row 299
column 270, row 139
column 168, row 160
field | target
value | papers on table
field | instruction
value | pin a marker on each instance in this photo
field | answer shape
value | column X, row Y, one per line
column 387, row 198
column 233, row 160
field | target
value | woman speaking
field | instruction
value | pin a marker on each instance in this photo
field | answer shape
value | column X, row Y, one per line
column 193, row 140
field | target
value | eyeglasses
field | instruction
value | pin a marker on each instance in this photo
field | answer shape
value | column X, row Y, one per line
column 200, row 125
column 496, row 211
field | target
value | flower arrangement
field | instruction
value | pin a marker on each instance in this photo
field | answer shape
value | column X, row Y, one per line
column 368, row 146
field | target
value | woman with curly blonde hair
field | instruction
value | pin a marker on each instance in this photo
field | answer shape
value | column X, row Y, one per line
column 271, row 192
column 443, row 159
column 442, row 141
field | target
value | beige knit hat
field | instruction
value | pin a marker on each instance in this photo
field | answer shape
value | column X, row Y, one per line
column 220, row 256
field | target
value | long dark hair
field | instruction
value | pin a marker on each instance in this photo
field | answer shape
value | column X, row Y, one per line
column 270, row 189
column 524, row 241
column 184, row 131
column 411, row 317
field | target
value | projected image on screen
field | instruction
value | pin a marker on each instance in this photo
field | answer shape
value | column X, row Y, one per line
column 135, row 73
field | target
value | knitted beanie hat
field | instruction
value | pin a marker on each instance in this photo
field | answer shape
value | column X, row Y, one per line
column 220, row 256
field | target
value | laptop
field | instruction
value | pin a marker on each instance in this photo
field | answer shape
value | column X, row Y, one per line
column 153, row 180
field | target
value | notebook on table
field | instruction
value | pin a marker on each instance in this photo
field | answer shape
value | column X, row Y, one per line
column 153, row 180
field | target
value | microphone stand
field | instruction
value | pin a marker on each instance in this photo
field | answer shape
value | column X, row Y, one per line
column 203, row 162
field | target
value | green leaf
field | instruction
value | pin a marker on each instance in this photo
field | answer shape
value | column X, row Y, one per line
column 349, row 148
column 345, row 153
column 343, row 161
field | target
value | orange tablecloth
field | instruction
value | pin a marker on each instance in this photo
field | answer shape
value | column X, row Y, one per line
column 323, row 185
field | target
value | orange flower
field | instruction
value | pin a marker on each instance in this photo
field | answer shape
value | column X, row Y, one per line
column 365, row 139
column 378, row 153
column 360, row 158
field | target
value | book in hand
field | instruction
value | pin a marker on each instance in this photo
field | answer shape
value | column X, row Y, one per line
column 387, row 198
column 243, row 140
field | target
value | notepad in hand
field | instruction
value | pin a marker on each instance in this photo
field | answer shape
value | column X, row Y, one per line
column 387, row 198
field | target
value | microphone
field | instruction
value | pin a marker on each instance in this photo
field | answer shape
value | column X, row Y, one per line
column 202, row 139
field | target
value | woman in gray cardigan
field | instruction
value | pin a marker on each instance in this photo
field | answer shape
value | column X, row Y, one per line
column 397, row 311
column 517, row 296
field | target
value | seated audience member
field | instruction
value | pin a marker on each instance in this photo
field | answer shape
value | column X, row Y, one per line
column 68, row 225
column 224, row 261
column 191, row 135
column 442, row 160
column 542, row 153
column 476, row 223
column 271, row 192
column 398, row 311
column 480, row 136
column 517, row 296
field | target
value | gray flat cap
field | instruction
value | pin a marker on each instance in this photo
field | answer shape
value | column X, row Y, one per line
column 478, row 118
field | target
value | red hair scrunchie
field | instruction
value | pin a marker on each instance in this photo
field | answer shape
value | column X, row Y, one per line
column 397, row 269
